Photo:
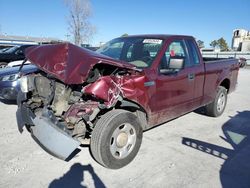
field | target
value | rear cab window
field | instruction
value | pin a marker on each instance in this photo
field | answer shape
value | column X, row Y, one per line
column 193, row 52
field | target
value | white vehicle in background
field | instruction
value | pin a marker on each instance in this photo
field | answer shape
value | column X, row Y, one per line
column 16, row 63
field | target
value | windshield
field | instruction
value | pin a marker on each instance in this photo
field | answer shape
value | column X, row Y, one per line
column 138, row 51
column 12, row 49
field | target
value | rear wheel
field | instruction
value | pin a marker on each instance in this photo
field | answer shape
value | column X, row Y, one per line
column 116, row 139
column 217, row 107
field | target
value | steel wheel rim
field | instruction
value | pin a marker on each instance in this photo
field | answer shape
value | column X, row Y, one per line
column 221, row 102
column 122, row 141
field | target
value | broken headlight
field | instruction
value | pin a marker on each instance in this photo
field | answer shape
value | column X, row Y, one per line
column 24, row 84
column 11, row 77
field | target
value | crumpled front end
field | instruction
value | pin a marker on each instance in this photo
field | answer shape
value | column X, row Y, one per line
column 62, row 116
column 69, row 63
column 46, row 130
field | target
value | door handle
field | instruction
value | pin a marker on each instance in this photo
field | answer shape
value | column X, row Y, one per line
column 191, row 76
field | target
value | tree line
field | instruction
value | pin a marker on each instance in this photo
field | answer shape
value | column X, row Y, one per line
column 220, row 43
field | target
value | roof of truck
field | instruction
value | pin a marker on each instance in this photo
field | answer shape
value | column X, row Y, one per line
column 162, row 36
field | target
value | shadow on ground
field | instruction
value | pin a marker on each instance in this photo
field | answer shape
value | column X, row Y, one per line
column 235, row 171
column 201, row 111
column 75, row 178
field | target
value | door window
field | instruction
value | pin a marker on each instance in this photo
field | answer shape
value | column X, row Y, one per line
column 175, row 50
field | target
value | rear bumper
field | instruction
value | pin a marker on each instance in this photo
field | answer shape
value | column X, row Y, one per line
column 46, row 132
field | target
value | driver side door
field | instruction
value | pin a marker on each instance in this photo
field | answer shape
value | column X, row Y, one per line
column 174, row 88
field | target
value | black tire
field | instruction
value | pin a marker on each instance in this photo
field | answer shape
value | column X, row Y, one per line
column 213, row 108
column 103, row 140
column 142, row 118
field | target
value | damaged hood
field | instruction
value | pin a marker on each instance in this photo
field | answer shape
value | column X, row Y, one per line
column 69, row 63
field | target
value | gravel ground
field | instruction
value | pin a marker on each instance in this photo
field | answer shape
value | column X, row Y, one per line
column 191, row 151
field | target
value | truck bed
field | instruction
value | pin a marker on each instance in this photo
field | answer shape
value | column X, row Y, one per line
column 214, row 59
column 219, row 69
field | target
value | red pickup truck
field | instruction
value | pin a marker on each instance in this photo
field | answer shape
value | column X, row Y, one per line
column 109, row 97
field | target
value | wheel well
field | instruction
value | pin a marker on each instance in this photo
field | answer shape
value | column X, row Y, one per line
column 136, row 109
column 226, row 84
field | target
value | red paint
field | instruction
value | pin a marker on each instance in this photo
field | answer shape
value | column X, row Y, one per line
column 166, row 96
column 172, row 53
column 105, row 88
column 80, row 109
column 67, row 62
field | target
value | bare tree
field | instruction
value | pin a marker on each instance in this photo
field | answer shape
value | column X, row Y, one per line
column 79, row 25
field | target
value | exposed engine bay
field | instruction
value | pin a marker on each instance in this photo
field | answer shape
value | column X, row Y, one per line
column 75, row 108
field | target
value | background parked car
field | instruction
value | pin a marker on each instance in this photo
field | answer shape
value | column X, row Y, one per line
column 9, row 80
column 4, row 49
column 242, row 62
column 12, row 54
column 16, row 63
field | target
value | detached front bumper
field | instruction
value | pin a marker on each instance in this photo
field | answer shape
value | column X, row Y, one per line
column 45, row 132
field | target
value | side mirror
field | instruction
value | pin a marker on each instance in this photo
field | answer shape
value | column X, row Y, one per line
column 176, row 63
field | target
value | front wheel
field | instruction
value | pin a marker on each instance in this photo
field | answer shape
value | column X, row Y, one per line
column 217, row 107
column 116, row 139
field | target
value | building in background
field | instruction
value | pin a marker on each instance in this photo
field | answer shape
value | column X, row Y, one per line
column 245, row 47
column 241, row 40
column 8, row 40
column 216, row 49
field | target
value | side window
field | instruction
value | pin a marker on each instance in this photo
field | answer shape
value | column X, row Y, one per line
column 176, row 50
column 193, row 51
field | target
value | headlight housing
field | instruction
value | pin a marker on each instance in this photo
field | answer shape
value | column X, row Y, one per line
column 24, row 84
column 11, row 77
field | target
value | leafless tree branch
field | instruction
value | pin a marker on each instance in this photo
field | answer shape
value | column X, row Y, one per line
column 78, row 21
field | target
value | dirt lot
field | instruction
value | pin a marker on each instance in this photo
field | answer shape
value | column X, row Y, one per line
column 191, row 151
